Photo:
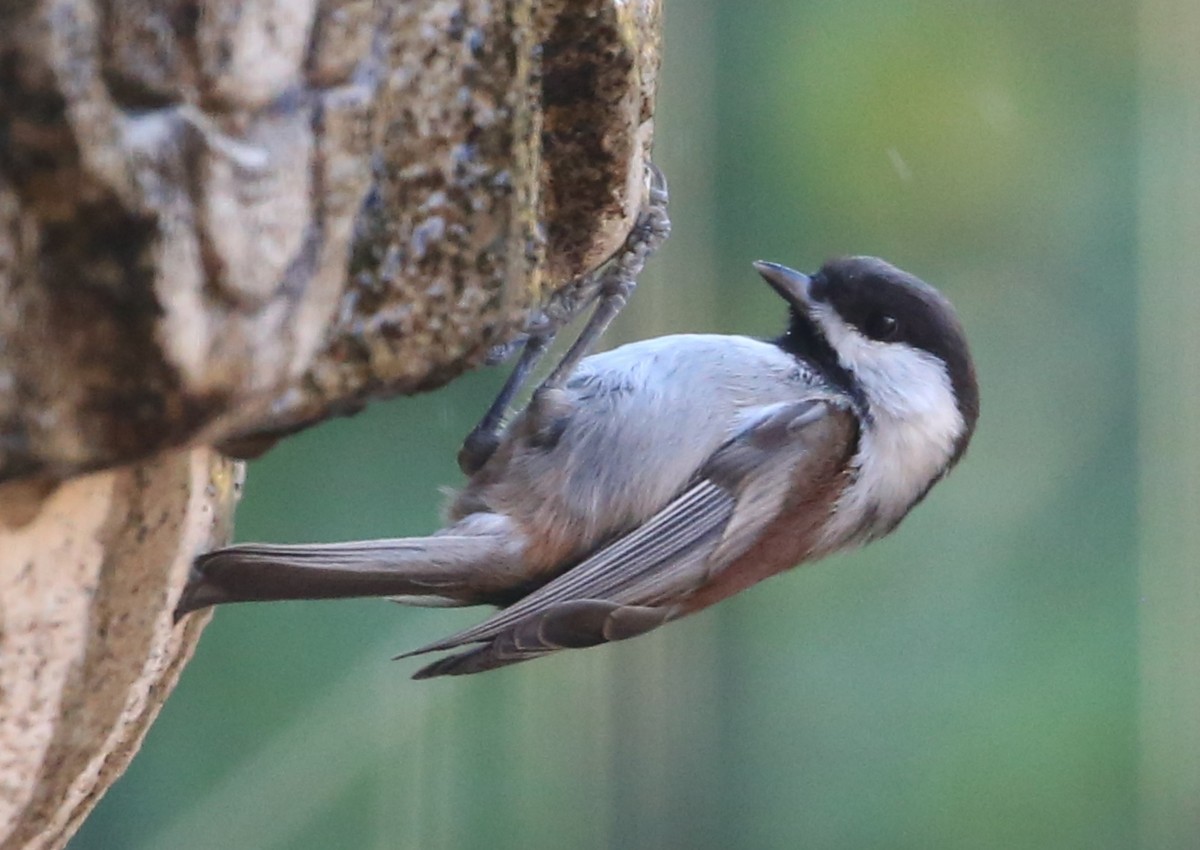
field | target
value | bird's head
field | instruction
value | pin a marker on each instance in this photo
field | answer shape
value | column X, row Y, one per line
column 896, row 347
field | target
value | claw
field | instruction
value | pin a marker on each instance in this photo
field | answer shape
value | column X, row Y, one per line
column 503, row 352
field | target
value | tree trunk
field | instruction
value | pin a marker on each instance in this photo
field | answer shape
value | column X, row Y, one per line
column 221, row 222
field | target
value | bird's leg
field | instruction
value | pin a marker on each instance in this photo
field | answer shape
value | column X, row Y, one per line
column 485, row 437
column 610, row 285
column 618, row 278
column 549, row 407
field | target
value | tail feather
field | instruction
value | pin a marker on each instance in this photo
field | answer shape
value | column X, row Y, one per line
column 445, row 569
column 487, row 657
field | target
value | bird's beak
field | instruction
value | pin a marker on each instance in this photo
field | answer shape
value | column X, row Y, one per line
column 793, row 286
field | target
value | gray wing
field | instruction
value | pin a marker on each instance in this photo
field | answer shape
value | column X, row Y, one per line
column 634, row 583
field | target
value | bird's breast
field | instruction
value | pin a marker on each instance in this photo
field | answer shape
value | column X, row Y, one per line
column 794, row 536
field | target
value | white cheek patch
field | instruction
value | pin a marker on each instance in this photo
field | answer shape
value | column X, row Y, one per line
column 916, row 425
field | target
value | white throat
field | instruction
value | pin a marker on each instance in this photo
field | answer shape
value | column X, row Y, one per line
column 914, row 428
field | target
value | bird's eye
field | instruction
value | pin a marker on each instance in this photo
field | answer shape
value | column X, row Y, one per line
column 881, row 326
column 818, row 287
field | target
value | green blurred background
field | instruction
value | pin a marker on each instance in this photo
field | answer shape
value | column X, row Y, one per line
column 1009, row 670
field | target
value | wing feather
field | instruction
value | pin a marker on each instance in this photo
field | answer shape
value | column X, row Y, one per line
column 688, row 519
column 634, row 583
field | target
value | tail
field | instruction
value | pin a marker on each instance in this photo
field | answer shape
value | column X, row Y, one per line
column 445, row 569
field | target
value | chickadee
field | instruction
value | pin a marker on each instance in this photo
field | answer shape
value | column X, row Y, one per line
column 665, row 475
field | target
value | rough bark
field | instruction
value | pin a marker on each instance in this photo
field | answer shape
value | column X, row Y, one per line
column 221, row 221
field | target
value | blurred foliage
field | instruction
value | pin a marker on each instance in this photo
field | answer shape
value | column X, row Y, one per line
column 969, row 682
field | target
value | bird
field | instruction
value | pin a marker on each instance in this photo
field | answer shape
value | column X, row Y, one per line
column 665, row 475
